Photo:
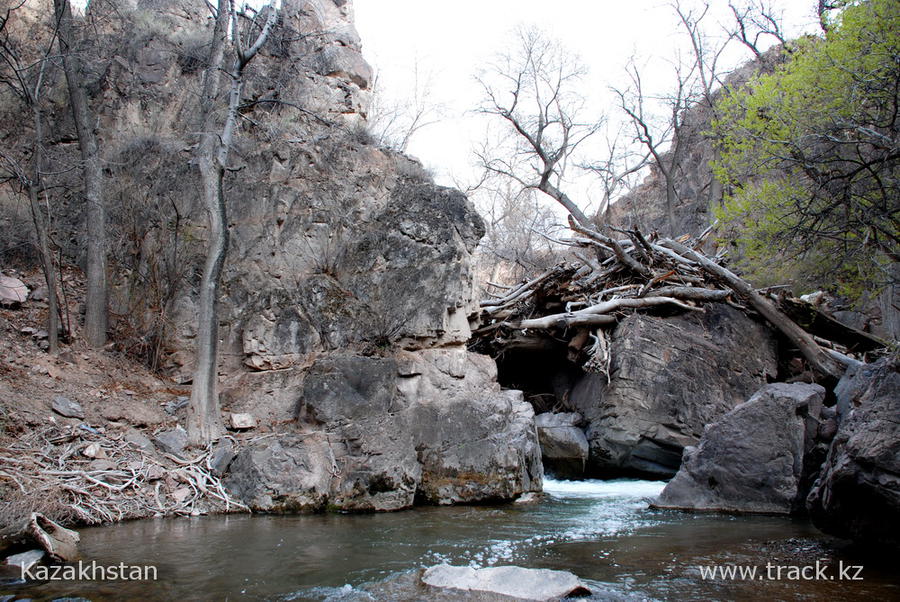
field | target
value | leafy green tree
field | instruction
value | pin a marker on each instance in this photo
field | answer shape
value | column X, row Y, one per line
column 809, row 158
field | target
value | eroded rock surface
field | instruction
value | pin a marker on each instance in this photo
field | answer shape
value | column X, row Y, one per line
column 752, row 459
column 669, row 378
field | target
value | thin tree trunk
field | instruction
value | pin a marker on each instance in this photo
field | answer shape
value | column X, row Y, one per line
column 95, row 315
column 37, row 215
column 40, row 226
column 670, row 203
column 204, row 421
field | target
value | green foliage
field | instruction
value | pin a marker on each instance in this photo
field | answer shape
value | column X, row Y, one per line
column 809, row 157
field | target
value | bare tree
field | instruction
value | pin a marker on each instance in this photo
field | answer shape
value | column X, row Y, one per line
column 204, row 422
column 617, row 168
column 755, row 21
column 660, row 136
column 393, row 123
column 659, row 120
column 25, row 78
column 515, row 244
column 95, row 317
column 534, row 92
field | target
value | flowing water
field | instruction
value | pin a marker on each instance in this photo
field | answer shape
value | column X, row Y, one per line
column 603, row 531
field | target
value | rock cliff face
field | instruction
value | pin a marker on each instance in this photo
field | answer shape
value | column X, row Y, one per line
column 857, row 495
column 348, row 279
column 383, row 433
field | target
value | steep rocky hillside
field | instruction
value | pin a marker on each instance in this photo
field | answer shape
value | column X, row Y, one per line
column 348, row 280
column 698, row 193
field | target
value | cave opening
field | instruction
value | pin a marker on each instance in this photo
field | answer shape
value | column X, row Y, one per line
column 542, row 372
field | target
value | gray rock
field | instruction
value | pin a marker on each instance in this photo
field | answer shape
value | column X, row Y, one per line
column 13, row 291
column 857, row 495
column 243, row 421
column 514, row 581
column 221, row 456
column 172, row 441
column 345, row 388
column 853, row 319
column 345, row 63
column 176, row 404
column 475, row 450
column 564, row 446
column 752, row 459
column 67, row 407
column 670, row 377
column 138, row 439
column 40, row 294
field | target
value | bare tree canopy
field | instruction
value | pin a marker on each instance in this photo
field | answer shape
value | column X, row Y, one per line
column 534, row 90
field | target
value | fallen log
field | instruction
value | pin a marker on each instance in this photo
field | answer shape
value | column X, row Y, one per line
column 60, row 543
column 627, row 260
column 589, row 315
column 818, row 323
column 821, row 361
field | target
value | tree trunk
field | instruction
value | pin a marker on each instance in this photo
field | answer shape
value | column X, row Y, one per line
column 95, row 317
column 670, row 202
column 204, row 420
column 40, row 227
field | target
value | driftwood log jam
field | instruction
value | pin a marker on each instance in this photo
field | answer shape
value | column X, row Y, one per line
column 608, row 277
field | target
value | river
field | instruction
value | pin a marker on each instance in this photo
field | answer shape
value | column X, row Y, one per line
column 603, row 531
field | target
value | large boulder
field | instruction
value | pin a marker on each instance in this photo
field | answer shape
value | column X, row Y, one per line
column 564, row 446
column 379, row 433
column 752, row 459
column 857, row 495
column 669, row 378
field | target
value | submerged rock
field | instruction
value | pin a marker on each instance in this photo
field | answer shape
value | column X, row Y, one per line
column 857, row 495
column 25, row 560
column 513, row 581
column 669, row 378
column 752, row 459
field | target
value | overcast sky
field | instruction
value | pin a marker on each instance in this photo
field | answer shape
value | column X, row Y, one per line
column 451, row 41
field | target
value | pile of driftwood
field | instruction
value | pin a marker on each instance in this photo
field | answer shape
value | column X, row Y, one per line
column 51, row 471
column 610, row 276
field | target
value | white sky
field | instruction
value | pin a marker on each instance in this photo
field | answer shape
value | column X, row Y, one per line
column 453, row 40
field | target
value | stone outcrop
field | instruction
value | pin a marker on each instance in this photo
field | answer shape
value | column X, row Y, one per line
column 753, row 458
column 857, row 495
column 380, row 433
column 669, row 378
column 564, row 447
